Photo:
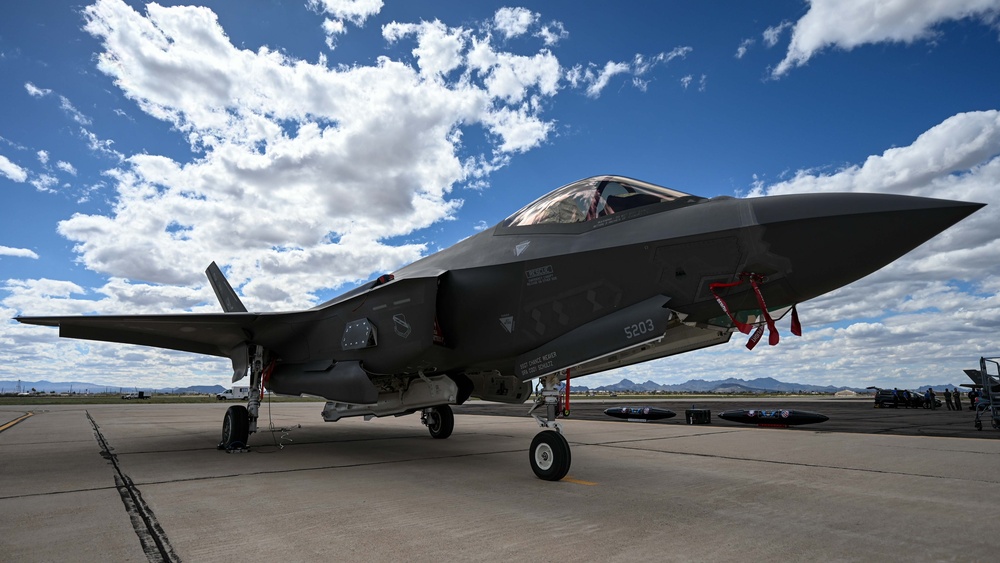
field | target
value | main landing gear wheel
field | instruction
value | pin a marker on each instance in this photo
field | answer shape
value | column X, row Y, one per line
column 235, row 428
column 440, row 421
column 549, row 455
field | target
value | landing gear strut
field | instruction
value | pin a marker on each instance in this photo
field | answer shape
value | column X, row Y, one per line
column 549, row 455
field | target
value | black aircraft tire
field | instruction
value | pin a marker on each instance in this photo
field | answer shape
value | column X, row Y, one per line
column 441, row 422
column 549, row 455
column 235, row 428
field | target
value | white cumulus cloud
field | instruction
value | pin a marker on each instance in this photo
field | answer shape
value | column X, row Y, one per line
column 552, row 33
column 439, row 49
column 35, row 91
column 511, row 22
column 299, row 172
column 594, row 78
column 66, row 167
column 744, row 46
column 18, row 252
column 355, row 12
column 850, row 23
column 772, row 34
column 12, row 171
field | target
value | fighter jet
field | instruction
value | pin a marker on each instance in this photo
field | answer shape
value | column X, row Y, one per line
column 601, row 273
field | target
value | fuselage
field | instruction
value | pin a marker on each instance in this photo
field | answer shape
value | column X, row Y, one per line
column 509, row 289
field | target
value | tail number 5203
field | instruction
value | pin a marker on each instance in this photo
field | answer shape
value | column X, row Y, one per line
column 641, row 328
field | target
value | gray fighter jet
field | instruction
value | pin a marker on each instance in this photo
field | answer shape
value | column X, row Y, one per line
column 598, row 274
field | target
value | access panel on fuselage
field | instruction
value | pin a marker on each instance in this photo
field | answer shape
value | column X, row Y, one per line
column 686, row 268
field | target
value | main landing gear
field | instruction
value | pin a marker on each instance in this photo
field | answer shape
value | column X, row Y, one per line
column 241, row 421
column 549, row 455
column 440, row 421
column 235, row 428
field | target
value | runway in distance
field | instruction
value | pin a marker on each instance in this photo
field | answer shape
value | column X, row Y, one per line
column 601, row 273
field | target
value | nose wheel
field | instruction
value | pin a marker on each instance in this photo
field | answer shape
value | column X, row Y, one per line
column 549, row 455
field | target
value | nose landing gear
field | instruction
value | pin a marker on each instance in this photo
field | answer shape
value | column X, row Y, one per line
column 549, row 456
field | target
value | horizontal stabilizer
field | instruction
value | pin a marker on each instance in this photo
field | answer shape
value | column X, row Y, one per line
column 227, row 296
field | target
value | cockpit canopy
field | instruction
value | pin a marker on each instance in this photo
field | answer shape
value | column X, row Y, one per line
column 593, row 198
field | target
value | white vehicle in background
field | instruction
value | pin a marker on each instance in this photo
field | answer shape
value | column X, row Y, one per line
column 241, row 393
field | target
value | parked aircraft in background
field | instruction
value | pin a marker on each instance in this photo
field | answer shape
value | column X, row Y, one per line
column 598, row 274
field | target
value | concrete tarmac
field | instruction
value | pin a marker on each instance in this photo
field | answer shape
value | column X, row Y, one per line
column 140, row 482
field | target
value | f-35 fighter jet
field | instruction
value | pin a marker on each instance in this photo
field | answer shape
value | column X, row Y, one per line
column 601, row 273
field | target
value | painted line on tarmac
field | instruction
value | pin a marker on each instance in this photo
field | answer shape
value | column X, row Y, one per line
column 151, row 535
column 54, row 493
column 16, row 420
column 579, row 481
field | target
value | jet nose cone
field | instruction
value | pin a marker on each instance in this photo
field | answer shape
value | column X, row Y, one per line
column 778, row 209
column 830, row 240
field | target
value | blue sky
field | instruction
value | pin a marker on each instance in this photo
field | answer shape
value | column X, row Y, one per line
column 309, row 145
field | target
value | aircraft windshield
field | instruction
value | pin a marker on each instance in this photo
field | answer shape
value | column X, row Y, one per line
column 591, row 199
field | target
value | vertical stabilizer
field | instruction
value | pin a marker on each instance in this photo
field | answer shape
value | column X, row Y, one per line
column 227, row 296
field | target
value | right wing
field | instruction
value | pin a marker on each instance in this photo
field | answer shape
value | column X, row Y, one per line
column 214, row 334
column 226, row 335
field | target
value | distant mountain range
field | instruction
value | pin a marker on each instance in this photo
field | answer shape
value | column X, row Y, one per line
column 86, row 387
column 729, row 386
